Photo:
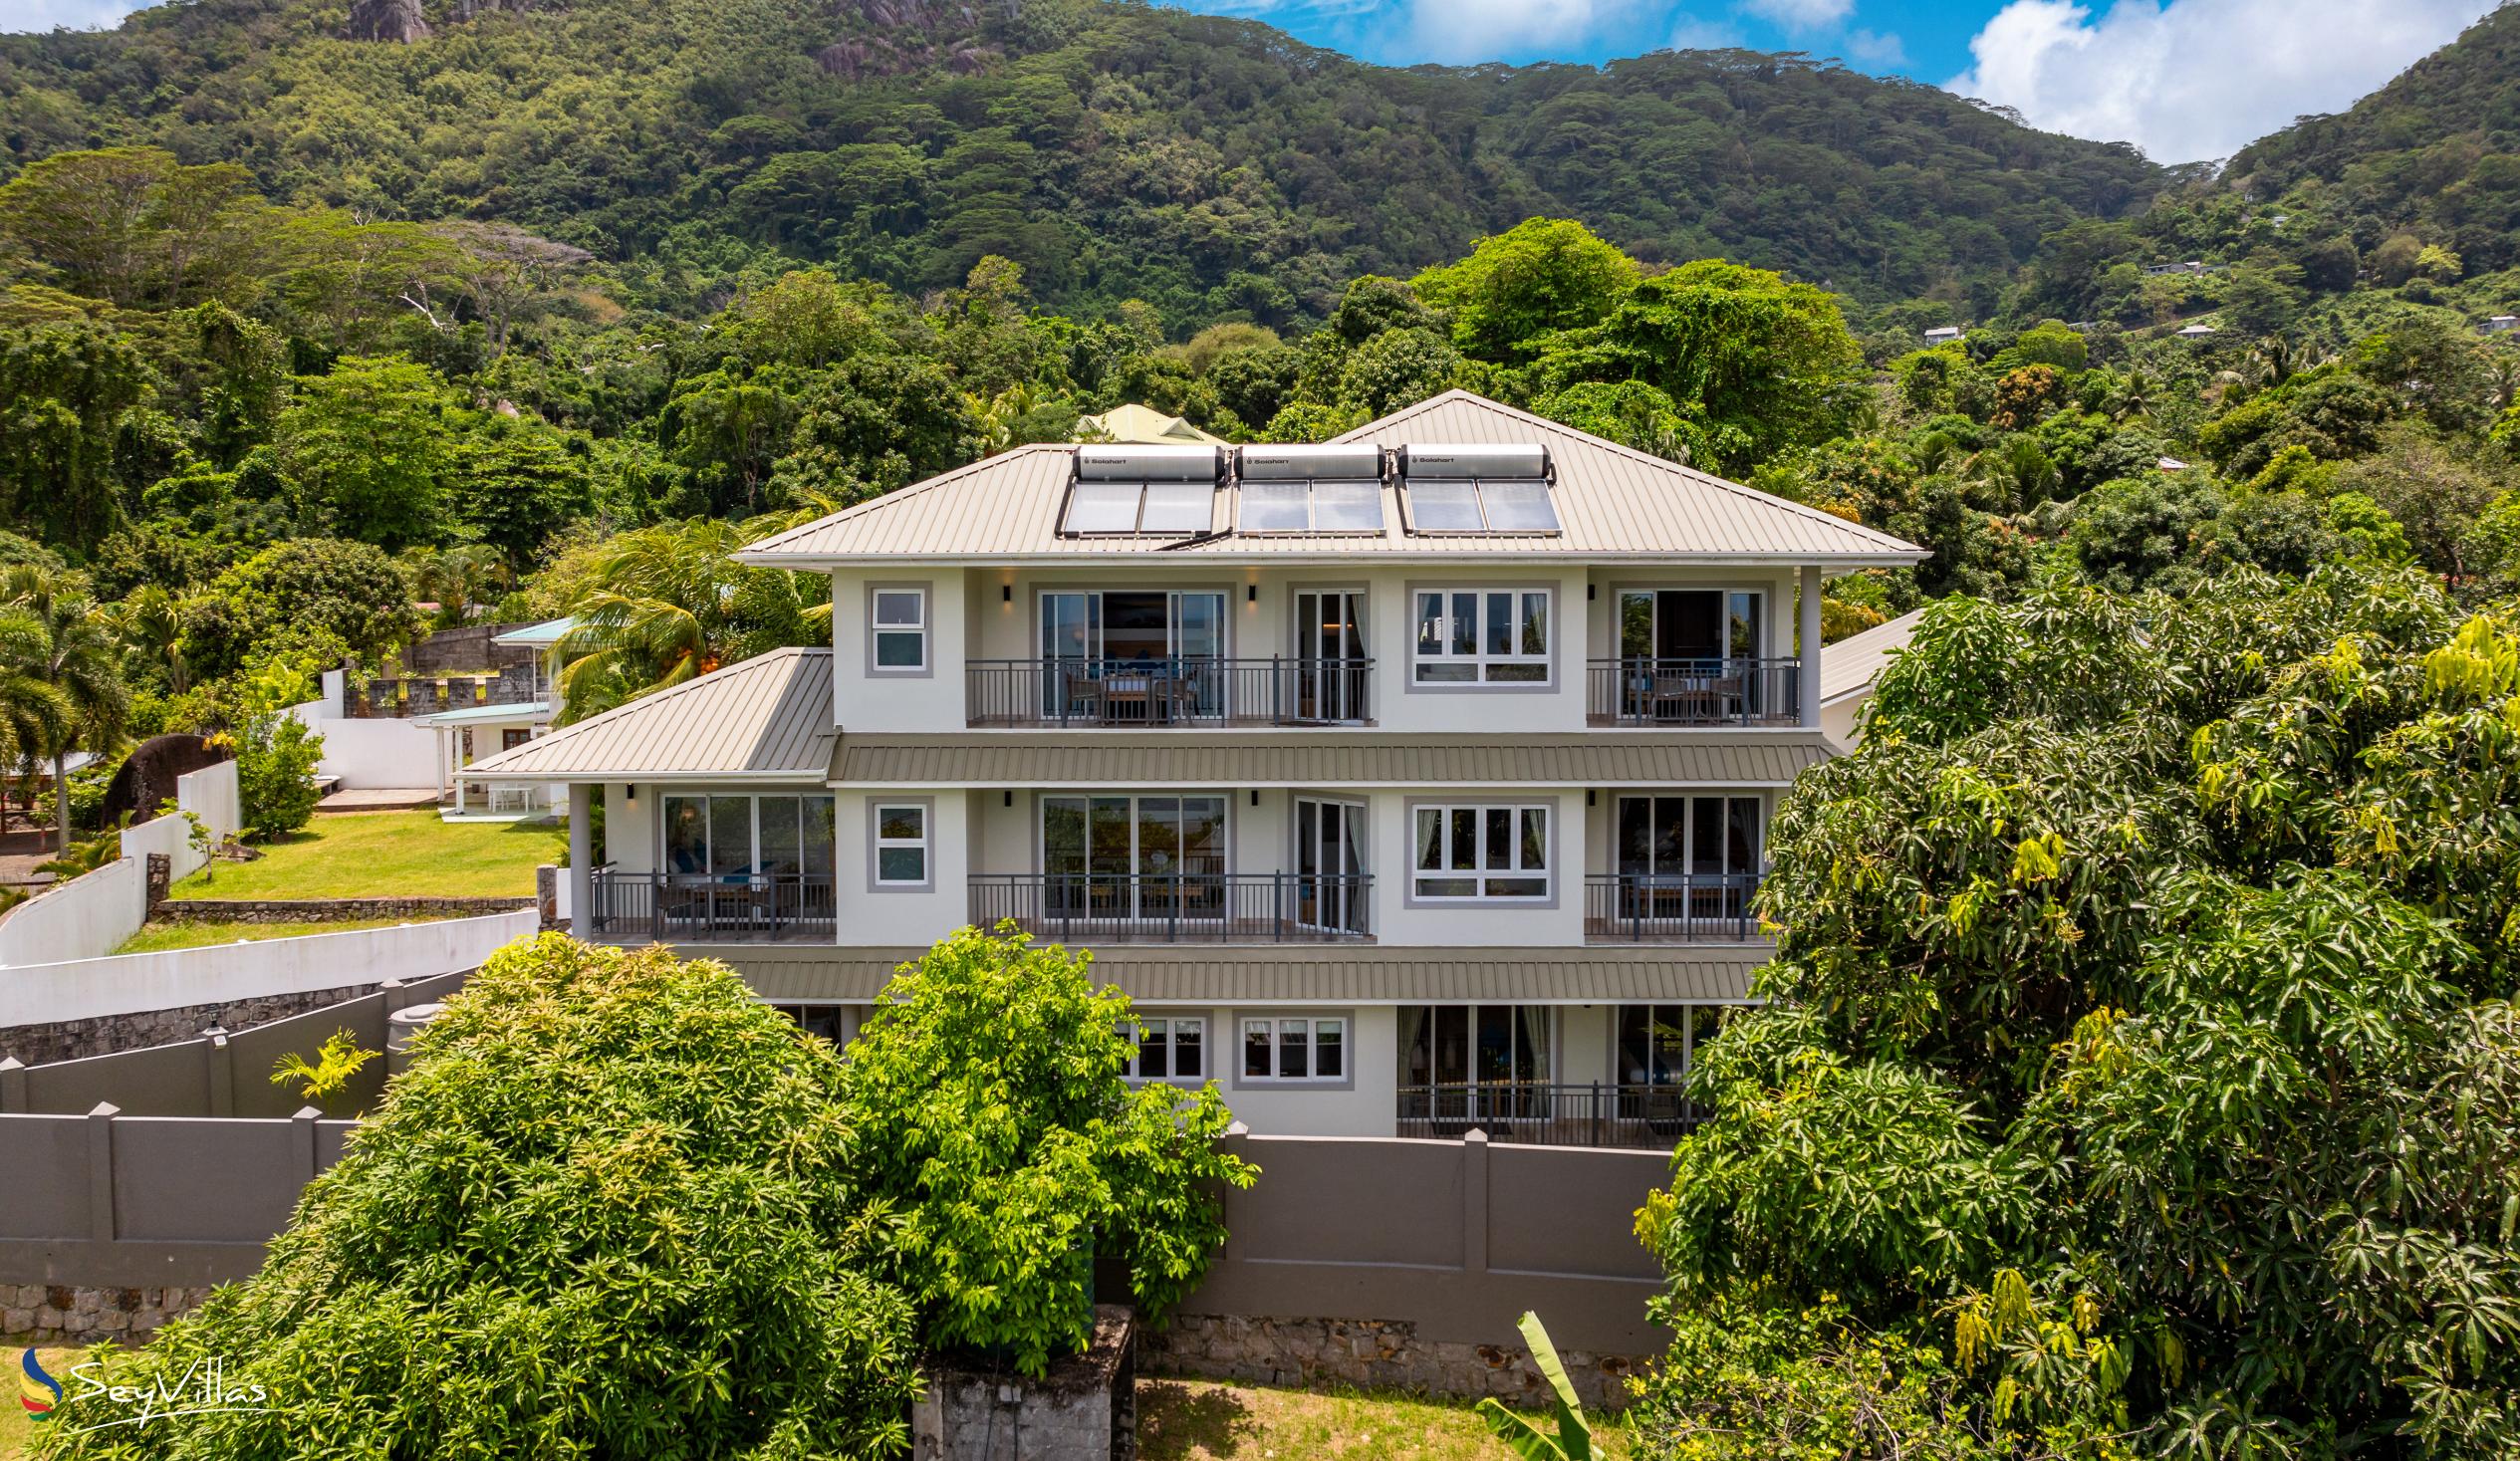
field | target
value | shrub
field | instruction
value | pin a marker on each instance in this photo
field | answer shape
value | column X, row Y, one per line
column 991, row 1115
column 276, row 754
column 607, row 1212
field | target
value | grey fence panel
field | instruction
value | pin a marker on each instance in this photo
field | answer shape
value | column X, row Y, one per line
column 1571, row 1210
column 158, row 1081
column 192, row 1180
column 257, row 1051
column 331, row 1142
column 1328, row 1200
column 46, row 1159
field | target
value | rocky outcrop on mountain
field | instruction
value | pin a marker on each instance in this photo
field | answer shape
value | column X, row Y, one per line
column 396, row 21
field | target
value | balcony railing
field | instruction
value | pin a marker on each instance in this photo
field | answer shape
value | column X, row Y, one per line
column 1167, row 693
column 1550, row 1115
column 1671, row 907
column 1633, row 691
column 1190, row 907
column 693, row 907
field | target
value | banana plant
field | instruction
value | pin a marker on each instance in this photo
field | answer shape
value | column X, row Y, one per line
column 1573, row 1440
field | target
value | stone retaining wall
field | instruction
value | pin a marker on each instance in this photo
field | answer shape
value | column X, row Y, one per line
column 327, row 910
column 39, row 1314
column 76, row 1040
column 1369, row 1355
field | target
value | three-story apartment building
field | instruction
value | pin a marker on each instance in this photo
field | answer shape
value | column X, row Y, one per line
column 1412, row 782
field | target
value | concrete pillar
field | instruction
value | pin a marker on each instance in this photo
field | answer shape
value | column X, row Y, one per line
column 1806, row 692
column 12, row 1084
column 581, row 857
column 220, row 1061
column 101, row 1172
column 302, row 1138
column 1474, row 1203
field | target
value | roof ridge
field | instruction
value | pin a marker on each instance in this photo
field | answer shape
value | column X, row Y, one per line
column 900, row 494
column 1645, row 458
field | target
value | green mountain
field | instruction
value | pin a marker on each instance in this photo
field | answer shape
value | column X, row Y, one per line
column 2436, row 152
column 1213, row 167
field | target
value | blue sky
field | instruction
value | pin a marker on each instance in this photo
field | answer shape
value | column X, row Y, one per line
column 2185, row 80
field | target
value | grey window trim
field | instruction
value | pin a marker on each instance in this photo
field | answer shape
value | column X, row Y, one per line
column 928, row 824
column 1040, row 812
column 927, row 591
column 1407, row 858
column 1037, row 585
column 1347, row 1050
column 1554, row 588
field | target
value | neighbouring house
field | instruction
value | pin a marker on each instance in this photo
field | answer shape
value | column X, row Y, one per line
column 2500, row 324
column 1145, row 424
column 413, row 730
column 2195, row 332
column 1942, row 335
column 1853, row 663
column 2169, row 464
column 1411, row 783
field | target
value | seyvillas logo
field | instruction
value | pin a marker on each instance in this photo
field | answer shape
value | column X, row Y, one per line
column 202, row 1389
column 38, row 1392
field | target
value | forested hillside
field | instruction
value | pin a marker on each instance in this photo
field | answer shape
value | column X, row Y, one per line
column 1216, row 169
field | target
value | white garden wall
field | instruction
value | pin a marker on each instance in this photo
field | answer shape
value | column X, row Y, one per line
column 89, row 916
column 123, row 984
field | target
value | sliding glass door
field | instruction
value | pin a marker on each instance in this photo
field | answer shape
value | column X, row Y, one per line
column 1695, row 624
column 1474, row 1063
column 1139, row 654
column 1692, row 858
column 1133, row 858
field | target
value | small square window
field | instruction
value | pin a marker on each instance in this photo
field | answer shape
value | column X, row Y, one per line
column 1168, row 1047
column 897, row 627
column 1294, row 1047
column 900, row 845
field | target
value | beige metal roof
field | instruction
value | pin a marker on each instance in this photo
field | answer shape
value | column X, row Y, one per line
column 769, row 717
column 1612, row 504
column 1141, row 424
column 1327, row 757
column 1850, row 666
column 1311, row 974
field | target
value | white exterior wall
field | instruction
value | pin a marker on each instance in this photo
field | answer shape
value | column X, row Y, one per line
column 876, row 917
column 376, row 754
column 865, row 701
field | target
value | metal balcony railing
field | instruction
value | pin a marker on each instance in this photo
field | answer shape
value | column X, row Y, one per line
column 1657, row 692
column 1188, row 907
column 695, row 908
column 1173, row 691
column 1671, row 907
column 1545, row 1114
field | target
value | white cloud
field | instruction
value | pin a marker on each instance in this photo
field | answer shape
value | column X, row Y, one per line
column 1483, row 30
column 1876, row 48
column 2199, row 79
column 1801, row 15
column 1692, row 34
column 78, row 15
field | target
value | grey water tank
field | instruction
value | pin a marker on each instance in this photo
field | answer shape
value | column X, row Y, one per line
column 1298, row 463
column 400, row 1026
column 1150, row 463
column 1472, row 459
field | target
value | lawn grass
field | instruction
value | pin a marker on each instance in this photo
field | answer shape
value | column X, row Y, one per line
column 159, row 937
column 1200, row 1420
column 387, row 855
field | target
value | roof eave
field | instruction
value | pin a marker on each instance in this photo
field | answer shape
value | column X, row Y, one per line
column 807, row 562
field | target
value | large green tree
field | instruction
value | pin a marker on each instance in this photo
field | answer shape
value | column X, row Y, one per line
column 2133, row 1062
column 367, row 449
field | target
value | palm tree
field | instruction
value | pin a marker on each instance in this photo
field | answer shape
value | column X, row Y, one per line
column 459, row 578
column 672, row 604
column 152, row 621
column 27, row 705
column 68, row 644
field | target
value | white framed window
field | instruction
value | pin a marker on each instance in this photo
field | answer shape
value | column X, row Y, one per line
column 897, row 625
column 1294, row 1047
column 1484, row 851
column 901, row 843
column 1483, row 637
column 1169, row 1048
